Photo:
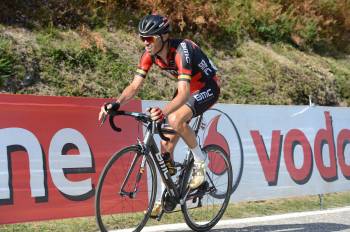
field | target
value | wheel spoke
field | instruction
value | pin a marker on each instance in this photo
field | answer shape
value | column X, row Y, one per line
column 122, row 172
column 214, row 203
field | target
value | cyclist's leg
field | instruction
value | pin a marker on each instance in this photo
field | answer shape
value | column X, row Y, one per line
column 169, row 146
column 178, row 120
column 197, row 104
column 167, row 149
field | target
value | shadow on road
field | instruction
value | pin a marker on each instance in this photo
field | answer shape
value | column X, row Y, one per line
column 319, row 227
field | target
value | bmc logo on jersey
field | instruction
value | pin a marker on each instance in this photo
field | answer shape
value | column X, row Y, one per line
column 203, row 95
column 186, row 53
column 204, row 66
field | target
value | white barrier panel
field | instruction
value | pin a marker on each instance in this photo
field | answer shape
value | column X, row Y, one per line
column 279, row 151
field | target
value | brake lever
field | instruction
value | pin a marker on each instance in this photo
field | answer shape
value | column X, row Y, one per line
column 104, row 117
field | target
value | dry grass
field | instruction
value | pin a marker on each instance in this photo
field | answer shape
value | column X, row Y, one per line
column 101, row 63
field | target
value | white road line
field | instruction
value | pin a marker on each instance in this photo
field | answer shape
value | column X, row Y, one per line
column 223, row 223
column 282, row 216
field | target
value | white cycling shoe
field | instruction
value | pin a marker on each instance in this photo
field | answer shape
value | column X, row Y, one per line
column 156, row 209
column 198, row 174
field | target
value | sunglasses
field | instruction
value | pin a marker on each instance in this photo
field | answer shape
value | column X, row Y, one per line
column 149, row 39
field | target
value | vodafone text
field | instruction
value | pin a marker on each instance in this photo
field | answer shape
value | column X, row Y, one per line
column 59, row 163
column 295, row 137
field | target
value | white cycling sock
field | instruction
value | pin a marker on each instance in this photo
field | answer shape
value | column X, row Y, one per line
column 159, row 190
column 198, row 154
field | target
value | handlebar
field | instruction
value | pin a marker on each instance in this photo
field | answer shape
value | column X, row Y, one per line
column 139, row 117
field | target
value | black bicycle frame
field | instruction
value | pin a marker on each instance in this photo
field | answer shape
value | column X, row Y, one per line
column 149, row 147
column 150, row 143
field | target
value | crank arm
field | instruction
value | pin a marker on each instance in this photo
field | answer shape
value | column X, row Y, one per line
column 179, row 210
column 131, row 195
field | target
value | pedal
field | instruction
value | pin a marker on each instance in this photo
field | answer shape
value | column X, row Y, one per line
column 202, row 189
column 156, row 211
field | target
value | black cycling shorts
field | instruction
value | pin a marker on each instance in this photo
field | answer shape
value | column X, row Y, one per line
column 203, row 99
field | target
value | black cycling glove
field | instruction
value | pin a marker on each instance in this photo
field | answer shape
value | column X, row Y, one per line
column 115, row 106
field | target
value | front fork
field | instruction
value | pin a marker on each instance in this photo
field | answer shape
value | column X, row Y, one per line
column 140, row 172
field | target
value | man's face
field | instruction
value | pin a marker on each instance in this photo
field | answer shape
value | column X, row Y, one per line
column 152, row 43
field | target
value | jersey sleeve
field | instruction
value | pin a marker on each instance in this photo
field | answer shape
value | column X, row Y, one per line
column 144, row 65
column 183, row 61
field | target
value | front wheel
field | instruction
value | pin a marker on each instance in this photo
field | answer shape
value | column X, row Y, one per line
column 206, row 205
column 125, row 193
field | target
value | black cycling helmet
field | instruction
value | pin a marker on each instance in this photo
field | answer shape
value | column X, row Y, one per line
column 153, row 24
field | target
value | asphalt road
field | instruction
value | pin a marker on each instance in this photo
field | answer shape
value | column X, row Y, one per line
column 320, row 221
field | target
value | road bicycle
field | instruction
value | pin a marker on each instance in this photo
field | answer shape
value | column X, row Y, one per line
column 127, row 187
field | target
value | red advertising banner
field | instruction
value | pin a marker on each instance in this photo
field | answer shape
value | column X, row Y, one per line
column 51, row 154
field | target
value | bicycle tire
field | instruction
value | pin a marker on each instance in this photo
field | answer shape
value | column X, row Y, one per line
column 109, row 203
column 197, row 218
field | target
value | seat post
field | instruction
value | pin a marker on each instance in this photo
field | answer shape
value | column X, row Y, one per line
column 197, row 124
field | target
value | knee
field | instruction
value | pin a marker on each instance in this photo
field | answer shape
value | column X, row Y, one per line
column 175, row 122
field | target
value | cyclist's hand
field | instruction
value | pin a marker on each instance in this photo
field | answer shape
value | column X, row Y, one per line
column 102, row 113
column 107, row 108
column 157, row 114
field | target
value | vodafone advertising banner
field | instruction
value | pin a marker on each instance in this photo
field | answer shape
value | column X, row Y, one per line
column 52, row 151
column 279, row 151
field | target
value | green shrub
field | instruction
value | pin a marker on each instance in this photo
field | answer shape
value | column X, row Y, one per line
column 342, row 81
column 82, row 63
column 5, row 70
column 7, row 61
column 83, row 58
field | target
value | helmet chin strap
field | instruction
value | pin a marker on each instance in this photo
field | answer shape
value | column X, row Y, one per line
column 163, row 44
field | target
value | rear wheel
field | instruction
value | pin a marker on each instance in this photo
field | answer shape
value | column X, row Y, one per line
column 206, row 205
column 118, row 208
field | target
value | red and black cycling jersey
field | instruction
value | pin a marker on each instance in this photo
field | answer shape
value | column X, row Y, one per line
column 185, row 61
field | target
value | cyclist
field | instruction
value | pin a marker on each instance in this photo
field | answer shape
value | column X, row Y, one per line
column 197, row 88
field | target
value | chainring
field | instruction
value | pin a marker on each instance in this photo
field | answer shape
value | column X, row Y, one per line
column 168, row 203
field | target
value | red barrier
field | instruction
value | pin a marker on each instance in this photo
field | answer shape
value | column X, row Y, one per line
column 51, row 154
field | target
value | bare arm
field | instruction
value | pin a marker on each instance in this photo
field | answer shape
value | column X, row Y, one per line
column 183, row 88
column 131, row 90
column 128, row 93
